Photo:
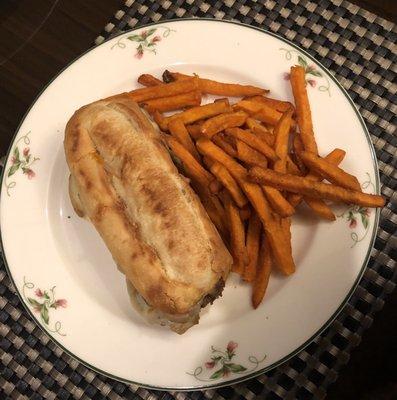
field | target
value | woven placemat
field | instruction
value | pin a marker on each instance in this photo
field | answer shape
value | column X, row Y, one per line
column 358, row 47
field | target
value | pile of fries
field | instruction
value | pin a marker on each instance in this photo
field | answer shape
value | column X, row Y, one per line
column 252, row 162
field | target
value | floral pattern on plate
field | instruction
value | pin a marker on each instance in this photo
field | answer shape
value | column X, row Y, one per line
column 311, row 70
column 223, row 364
column 42, row 301
column 21, row 160
column 354, row 214
column 146, row 40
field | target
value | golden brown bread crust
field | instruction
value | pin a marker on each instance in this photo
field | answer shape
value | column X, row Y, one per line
column 123, row 180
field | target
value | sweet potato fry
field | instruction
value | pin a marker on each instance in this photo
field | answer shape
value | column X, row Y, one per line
column 298, row 184
column 281, row 132
column 276, row 236
column 218, row 88
column 160, row 120
column 220, row 140
column 237, row 238
column 330, row 172
column 245, row 213
column 194, row 130
column 179, row 131
column 298, row 148
column 252, row 245
column 258, row 129
column 335, row 157
column 292, row 168
column 172, row 103
column 192, row 167
column 170, row 89
column 169, row 76
column 149, row 80
column 207, row 148
column 223, row 175
column 303, row 113
column 257, row 199
column 214, row 209
column 249, row 155
column 253, row 141
column 279, row 105
column 262, row 274
column 222, row 121
column 261, row 112
column 320, row 208
column 201, row 112
column 278, row 202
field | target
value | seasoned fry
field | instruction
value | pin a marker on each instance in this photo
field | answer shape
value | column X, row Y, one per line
column 149, row 80
column 193, row 168
column 173, row 103
column 201, row 112
column 275, row 234
column 237, row 238
column 214, row 209
column 215, row 187
column 160, row 120
column 281, row 132
column 219, row 88
column 258, row 129
column 320, row 208
column 335, row 157
column 223, row 175
column 278, row 202
column 292, row 168
column 245, row 213
column 252, row 245
column 253, row 141
column 330, row 172
column 263, row 273
column 221, row 141
column 249, row 155
column 279, row 105
column 170, row 89
column 303, row 113
column 222, row 121
column 310, row 188
column 298, row 148
column 286, row 227
column 207, row 148
column 194, row 130
column 179, row 131
column 257, row 198
column 259, row 111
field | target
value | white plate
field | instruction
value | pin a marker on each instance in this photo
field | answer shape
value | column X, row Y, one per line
column 57, row 259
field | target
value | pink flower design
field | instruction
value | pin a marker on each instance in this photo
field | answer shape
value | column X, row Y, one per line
column 144, row 34
column 37, row 308
column 210, row 364
column 13, row 160
column 139, row 53
column 226, row 372
column 156, row 39
column 286, row 76
column 353, row 223
column 366, row 212
column 29, row 172
column 38, row 293
column 231, row 346
column 61, row 303
column 26, row 151
column 312, row 82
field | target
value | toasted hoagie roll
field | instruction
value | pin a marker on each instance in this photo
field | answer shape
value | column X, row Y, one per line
column 123, row 180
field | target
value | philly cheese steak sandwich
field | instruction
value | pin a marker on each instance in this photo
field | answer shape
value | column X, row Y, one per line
column 123, row 180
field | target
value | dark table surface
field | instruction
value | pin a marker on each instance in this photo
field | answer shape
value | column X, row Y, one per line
column 39, row 37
